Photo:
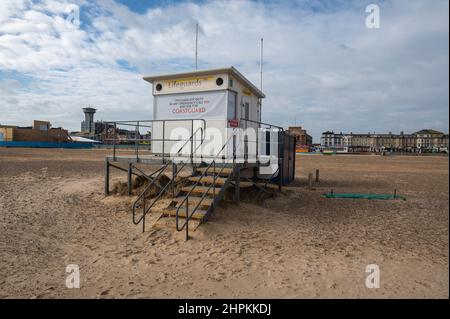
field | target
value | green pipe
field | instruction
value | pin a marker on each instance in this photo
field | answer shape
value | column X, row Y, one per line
column 363, row 196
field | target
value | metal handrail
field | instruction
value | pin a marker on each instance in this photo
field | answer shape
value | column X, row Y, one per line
column 212, row 185
column 141, row 197
column 131, row 122
column 263, row 123
column 162, row 191
column 142, row 123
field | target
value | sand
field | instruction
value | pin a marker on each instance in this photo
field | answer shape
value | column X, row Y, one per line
column 296, row 245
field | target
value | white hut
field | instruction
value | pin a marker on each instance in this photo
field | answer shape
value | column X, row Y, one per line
column 210, row 121
column 220, row 99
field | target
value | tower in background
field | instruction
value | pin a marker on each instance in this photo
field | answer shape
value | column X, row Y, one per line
column 88, row 125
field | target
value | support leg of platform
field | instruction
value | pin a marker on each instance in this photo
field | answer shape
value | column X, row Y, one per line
column 237, row 187
column 129, row 174
column 106, row 177
column 280, row 174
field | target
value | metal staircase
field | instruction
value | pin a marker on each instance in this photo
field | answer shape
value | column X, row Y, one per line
column 194, row 202
column 142, row 200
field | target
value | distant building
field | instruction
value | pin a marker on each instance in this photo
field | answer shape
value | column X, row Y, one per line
column 361, row 142
column 41, row 131
column 422, row 141
column 431, row 140
column 41, row 125
column 302, row 138
column 329, row 139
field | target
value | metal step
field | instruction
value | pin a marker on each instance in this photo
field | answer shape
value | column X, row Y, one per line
column 208, row 180
column 225, row 172
column 201, row 190
column 206, row 202
column 199, row 213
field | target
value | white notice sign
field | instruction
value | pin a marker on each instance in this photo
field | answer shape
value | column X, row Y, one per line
column 204, row 105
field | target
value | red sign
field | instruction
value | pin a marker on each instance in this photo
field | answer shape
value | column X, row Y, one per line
column 233, row 123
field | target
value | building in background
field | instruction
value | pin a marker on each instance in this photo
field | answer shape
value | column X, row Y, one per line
column 303, row 140
column 40, row 134
column 361, row 143
column 6, row 133
column 41, row 131
column 431, row 140
column 334, row 141
column 422, row 141
column 41, row 125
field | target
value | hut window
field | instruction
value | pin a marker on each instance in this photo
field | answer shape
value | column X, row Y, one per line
column 246, row 110
column 232, row 104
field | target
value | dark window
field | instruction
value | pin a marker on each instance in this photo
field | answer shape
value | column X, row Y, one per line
column 219, row 81
column 232, row 104
column 158, row 87
column 245, row 111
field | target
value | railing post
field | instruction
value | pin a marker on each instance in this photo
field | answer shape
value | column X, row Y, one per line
column 187, row 219
column 237, row 186
column 106, row 177
column 234, row 150
column 214, row 181
column 163, row 139
column 237, row 173
column 136, row 142
column 257, row 144
column 174, row 169
column 151, row 136
column 143, row 224
column 129, row 173
column 280, row 158
column 310, row 181
column 192, row 141
column 114, row 141
column 143, row 214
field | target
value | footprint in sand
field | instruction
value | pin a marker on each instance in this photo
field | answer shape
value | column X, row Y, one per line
column 105, row 292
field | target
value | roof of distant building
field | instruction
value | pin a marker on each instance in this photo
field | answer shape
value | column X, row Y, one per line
column 82, row 139
column 428, row 131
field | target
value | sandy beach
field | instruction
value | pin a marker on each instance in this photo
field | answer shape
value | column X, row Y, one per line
column 296, row 245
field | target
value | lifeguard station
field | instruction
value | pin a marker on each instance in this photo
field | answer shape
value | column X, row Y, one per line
column 208, row 121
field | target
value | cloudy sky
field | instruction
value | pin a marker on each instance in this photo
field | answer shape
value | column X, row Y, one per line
column 324, row 69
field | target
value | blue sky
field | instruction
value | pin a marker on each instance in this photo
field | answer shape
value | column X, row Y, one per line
column 324, row 69
column 143, row 6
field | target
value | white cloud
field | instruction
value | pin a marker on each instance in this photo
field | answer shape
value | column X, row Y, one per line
column 322, row 65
